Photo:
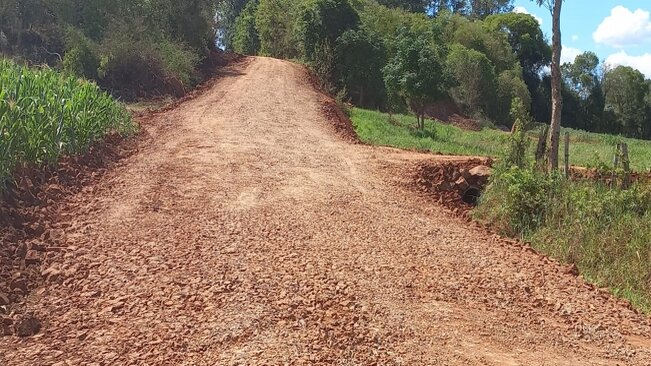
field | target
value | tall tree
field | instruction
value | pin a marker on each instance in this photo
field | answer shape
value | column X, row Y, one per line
column 477, row 9
column 527, row 41
column 553, row 140
column 417, row 72
column 582, row 96
column 625, row 90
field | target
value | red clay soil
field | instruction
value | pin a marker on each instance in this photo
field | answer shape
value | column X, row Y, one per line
column 447, row 111
column 30, row 231
column 437, row 179
column 246, row 231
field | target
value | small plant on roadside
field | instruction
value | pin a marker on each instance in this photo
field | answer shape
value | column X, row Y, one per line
column 518, row 140
column 340, row 99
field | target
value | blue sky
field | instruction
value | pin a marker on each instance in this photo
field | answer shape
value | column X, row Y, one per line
column 618, row 31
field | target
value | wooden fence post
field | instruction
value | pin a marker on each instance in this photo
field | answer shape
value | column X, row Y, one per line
column 626, row 180
column 615, row 165
column 567, row 154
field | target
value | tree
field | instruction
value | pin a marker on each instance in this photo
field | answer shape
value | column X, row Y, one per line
column 360, row 58
column 554, row 7
column 475, row 78
column 510, row 86
column 582, row 94
column 322, row 22
column 245, row 37
column 625, row 90
column 480, row 9
column 416, row 72
column 494, row 44
column 414, row 6
column 477, row 9
column 227, row 13
column 274, row 22
column 527, row 41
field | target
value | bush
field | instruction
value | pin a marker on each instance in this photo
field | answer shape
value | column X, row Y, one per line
column 603, row 231
column 81, row 58
column 135, row 64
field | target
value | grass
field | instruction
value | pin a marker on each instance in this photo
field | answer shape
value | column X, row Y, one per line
column 586, row 149
column 44, row 115
column 605, row 232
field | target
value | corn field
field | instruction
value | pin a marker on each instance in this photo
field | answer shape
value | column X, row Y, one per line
column 44, row 115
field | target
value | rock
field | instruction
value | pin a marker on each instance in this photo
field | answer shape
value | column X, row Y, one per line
column 56, row 235
column 465, row 174
column 19, row 283
column 461, row 184
column 444, row 186
column 480, row 171
column 27, row 326
column 6, row 326
column 52, row 273
column 32, row 257
column 21, row 250
column 4, row 299
column 37, row 246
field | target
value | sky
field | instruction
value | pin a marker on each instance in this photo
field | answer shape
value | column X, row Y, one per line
column 618, row 31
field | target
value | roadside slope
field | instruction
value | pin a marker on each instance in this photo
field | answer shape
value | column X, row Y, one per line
column 246, row 232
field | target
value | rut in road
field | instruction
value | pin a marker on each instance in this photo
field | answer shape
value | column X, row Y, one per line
column 245, row 231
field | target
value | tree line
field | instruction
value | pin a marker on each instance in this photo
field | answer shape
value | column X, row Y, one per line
column 130, row 47
column 393, row 55
column 405, row 54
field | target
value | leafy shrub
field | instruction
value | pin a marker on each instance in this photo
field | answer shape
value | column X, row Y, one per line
column 604, row 231
column 518, row 140
column 135, row 64
column 81, row 58
column 340, row 100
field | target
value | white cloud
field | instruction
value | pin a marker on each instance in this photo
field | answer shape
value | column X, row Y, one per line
column 569, row 54
column 523, row 10
column 575, row 37
column 642, row 63
column 624, row 28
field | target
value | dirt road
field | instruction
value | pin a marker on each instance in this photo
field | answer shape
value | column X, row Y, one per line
column 246, row 232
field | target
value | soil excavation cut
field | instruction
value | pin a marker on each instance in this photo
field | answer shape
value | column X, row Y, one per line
column 246, row 231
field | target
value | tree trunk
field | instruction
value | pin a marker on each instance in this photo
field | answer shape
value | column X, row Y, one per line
column 361, row 96
column 557, row 98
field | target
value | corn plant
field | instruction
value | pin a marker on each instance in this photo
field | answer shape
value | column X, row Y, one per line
column 44, row 115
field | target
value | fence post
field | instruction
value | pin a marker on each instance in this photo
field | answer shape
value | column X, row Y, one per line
column 567, row 154
column 626, row 180
column 542, row 147
column 615, row 165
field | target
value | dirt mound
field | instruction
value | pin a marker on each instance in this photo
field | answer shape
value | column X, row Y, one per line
column 341, row 123
column 452, row 184
column 448, row 112
column 29, row 234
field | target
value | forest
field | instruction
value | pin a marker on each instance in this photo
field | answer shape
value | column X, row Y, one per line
column 132, row 49
column 392, row 55
column 477, row 53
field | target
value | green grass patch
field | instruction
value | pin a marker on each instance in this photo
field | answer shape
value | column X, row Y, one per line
column 586, row 149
